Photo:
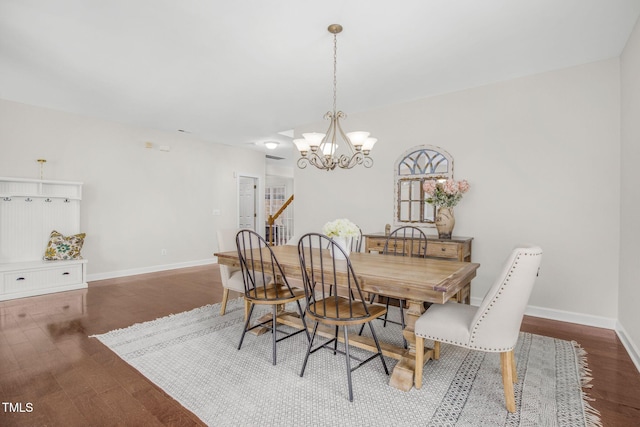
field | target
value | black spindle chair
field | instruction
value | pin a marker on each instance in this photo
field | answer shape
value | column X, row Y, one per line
column 320, row 272
column 356, row 246
column 356, row 242
column 404, row 241
column 265, row 284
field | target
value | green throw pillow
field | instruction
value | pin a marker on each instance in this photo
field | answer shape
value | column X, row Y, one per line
column 64, row 247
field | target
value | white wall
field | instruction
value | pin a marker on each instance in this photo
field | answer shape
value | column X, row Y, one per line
column 542, row 155
column 137, row 201
column 629, row 316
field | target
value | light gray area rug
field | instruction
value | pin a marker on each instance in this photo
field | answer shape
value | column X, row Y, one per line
column 193, row 357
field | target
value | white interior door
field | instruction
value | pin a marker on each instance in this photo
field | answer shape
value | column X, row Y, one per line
column 248, row 202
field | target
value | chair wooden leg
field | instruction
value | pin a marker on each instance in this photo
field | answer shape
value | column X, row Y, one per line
column 436, row 350
column 419, row 362
column 506, row 365
column 514, row 369
column 225, row 298
column 247, row 308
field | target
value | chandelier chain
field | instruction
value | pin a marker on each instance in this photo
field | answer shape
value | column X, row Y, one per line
column 335, row 73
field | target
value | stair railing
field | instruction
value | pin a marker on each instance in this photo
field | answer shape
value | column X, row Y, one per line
column 272, row 219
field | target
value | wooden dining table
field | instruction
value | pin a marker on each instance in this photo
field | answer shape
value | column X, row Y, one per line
column 415, row 280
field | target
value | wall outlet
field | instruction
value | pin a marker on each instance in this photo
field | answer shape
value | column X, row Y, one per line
column 216, row 212
column 163, row 252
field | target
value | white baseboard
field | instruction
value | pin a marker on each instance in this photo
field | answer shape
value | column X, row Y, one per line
column 633, row 351
column 565, row 316
column 42, row 291
column 144, row 270
column 587, row 320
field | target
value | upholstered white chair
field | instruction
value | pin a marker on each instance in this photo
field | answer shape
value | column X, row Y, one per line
column 491, row 327
column 231, row 277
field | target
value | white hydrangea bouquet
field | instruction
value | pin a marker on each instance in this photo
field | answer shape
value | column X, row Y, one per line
column 341, row 228
column 341, row 231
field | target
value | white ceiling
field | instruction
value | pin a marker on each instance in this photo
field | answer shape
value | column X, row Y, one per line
column 239, row 72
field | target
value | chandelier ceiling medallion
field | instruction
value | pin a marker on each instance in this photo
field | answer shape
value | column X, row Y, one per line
column 321, row 149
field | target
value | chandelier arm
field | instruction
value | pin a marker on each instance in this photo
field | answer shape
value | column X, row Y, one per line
column 314, row 161
column 303, row 162
column 322, row 162
column 357, row 159
column 347, row 162
column 339, row 116
column 330, row 134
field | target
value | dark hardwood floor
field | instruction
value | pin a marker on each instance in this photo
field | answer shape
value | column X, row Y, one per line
column 53, row 374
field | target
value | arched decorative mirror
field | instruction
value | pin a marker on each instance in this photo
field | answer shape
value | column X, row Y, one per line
column 412, row 168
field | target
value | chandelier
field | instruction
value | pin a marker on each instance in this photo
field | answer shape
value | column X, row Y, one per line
column 321, row 149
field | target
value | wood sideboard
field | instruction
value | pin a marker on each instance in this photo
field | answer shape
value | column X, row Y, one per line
column 456, row 249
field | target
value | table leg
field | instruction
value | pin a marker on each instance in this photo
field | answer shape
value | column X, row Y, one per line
column 464, row 295
column 402, row 376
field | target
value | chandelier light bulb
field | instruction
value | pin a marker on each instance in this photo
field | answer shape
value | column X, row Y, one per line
column 302, row 145
column 357, row 138
column 314, row 139
column 369, row 143
column 329, row 149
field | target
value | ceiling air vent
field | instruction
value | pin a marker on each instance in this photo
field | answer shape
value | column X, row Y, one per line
column 269, row 156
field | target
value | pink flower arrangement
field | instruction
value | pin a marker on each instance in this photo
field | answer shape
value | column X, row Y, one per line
column 445, row 193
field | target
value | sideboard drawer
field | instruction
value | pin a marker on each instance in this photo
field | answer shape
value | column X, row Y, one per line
column 442, row 250
column 376, row 244
column 395, row 246
column 20, row 281
column 458, row 248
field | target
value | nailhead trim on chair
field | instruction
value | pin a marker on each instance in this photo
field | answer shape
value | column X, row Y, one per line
column 472, row 347
column 473, row 333
column 491, row 304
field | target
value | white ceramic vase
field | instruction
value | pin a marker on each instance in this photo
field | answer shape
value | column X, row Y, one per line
column 345, row 244
column 445, row 222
